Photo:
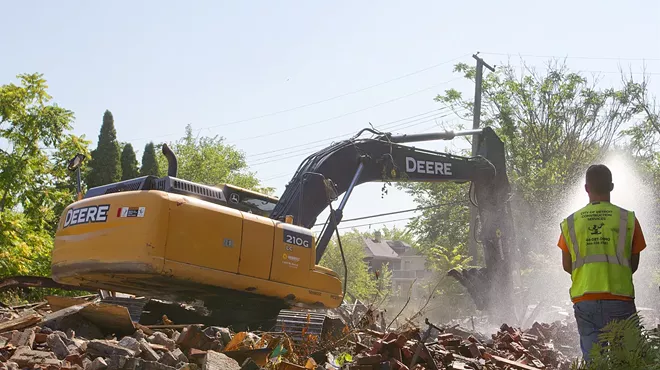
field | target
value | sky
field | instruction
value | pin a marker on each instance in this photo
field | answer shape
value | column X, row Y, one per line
column 282, row 79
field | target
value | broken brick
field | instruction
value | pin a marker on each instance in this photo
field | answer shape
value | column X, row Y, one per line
column 368, row 359
column 23, row 338
column 74, row 359
column 397, row 365
column 163, row 340
column 194, row 337
column 474, row 350
column 401, row 341
column 152, row 365
column 26, row 357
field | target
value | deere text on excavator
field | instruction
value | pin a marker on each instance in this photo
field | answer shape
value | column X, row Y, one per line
column 238, row 250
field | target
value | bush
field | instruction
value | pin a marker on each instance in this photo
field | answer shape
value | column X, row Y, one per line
column 625, row 344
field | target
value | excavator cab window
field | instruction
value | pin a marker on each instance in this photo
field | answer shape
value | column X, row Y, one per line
column 249, row 201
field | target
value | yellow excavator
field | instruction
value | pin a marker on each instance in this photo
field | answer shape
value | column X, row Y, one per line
column 242, row 251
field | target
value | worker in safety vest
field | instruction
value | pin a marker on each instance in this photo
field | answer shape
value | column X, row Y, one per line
column 601, row 244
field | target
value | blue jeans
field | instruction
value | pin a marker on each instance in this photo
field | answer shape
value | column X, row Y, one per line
column 592, row 316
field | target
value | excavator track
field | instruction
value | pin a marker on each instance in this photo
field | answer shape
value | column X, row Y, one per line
column 300, row 325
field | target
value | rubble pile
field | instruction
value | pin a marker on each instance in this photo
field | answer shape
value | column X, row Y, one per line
column 509, row 348
column 41, row 347
column 98, row 336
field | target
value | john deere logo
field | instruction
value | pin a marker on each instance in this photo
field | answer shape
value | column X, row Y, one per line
column 234, row 198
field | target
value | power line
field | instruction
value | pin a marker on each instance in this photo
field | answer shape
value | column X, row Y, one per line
column 433, row 112
column 310, row 150
column 400, row 211
column 598, row 71
column 572, row 57
column 285, row 174
column 273, row 133
column 374, row 223
column 310, row 123
column 327, row 99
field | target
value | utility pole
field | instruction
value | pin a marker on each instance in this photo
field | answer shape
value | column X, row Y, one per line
column 476, row 120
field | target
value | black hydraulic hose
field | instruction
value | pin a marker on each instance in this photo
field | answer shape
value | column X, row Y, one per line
column 341, row 250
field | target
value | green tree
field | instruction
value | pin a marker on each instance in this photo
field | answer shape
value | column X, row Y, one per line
column 645, row 132
column 34, row 182
column 209, row 161
column 362, row 283
column 553, row 123
column 149, row 161
column 105, row 166
column 129, row 164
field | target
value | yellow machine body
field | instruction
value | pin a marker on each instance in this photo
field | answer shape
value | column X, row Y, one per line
column 161, row 244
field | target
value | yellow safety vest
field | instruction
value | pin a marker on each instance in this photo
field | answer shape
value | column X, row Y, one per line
column 599, row 239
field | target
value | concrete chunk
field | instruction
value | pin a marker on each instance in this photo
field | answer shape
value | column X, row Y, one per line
column 57, row 345
column 147, row 352
column 218, row 332
column 107, row 348
column 10, row 365
column 219, row 361
column 168, row 359
column 179, row 355
column 98, row 364
column 130, row 343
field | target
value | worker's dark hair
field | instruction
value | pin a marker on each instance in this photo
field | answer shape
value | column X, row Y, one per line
column 599, row 179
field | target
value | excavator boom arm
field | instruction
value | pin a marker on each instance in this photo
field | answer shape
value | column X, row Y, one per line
column 339, row 168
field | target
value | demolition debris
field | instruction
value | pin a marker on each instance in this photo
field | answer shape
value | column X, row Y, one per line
column 99, row 336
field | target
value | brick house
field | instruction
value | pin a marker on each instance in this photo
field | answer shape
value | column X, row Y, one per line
column 404, row 261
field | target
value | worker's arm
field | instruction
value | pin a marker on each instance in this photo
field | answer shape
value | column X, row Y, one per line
column 638, row 244
column 635, row 262
column 566, row 261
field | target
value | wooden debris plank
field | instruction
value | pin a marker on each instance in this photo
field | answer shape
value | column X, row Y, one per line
column 20, row 322
column 514, row 364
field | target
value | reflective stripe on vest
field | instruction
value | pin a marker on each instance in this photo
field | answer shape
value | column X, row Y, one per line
column 619, row 259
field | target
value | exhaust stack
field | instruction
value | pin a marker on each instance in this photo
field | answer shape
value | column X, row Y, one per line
column 172, row 164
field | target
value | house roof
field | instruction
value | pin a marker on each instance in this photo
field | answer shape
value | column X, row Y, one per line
column 410, row 252
column 380, row 249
